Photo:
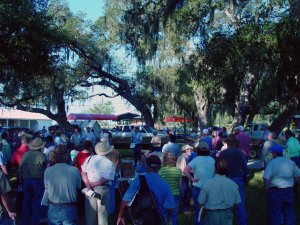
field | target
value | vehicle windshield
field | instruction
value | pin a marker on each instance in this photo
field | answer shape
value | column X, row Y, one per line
column 149, row 129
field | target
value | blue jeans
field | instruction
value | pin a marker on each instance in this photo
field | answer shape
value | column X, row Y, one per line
column 281, row 203
column 195, row 195
column 62, row 215
column 241, row 211
column 137, row 153
column 185, row 193
column 33, row 211
column 174, row 214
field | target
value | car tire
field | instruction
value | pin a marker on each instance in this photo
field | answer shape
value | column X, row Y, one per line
column 253, row 153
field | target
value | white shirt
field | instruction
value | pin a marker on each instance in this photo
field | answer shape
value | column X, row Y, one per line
column 98, row 167
column 281, row 172
column 203, row 168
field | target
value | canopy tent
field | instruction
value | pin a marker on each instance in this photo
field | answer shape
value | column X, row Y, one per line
column 83, row 116
column 128, row 116
column 177, row 119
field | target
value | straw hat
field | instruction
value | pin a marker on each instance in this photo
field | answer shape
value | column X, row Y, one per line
column 36, row 144
column 103, row 147
column 186, row 147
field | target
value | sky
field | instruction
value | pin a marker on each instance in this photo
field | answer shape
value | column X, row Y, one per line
column 93, row 9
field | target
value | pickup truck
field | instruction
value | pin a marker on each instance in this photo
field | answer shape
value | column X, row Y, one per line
column 255, row 131
column 121, row 135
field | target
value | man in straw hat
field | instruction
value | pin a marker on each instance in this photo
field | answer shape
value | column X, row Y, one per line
column 97, row 174
column 236, row 171
column 203, row 167
column 184, row 187
column 62, row 188
column 31, row 172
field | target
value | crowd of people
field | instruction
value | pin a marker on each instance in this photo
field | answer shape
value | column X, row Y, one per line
column 206, row 174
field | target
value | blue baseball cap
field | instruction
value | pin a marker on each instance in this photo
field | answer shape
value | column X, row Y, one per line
column 276, row 148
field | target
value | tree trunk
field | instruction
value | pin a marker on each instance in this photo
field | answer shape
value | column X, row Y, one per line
column 285, row 117
column 202, row 106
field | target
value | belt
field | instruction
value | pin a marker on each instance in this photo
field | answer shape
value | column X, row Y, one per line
column 218, row 209
column 58, row 204
column 278, row 188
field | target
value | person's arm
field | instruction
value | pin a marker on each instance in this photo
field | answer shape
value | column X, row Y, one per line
column 5, row 201
column 187, row 172
column 4, row 169
column 86, row 180
column 100, row 182
column 266, row 184
column 120, row 219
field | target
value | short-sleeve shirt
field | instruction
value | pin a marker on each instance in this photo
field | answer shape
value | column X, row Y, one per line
column 281, row 172
column 18, row 154
column 203, row 168
column 98, row 167
column 171, row 147
column 33, row 164
column 160, row 188
column 62, row 186
column 4, row 188
column 219, row 192
column 3, row 160
column 80, row 159
column 293, row 147
column 171, row 175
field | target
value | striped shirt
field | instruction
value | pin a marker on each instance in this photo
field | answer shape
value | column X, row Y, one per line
column 171, row 175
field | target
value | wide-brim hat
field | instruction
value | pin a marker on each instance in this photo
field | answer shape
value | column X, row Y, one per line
column 186, row 147
column 103, row 148
column 36, row 144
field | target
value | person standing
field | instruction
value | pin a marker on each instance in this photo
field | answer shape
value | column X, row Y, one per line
column 219, row 194
column 6, row 149
column 31, row 172
column 266, row 156
column 62, row 188
column 203, row 167
column 75, row 138
column 171, row 146
column 18, row 154
column 156, row 142
column 243, row 140
column 279, row 178
column 292, row 147
column 236, row 170
column 89, row 135
column 5, row 199
column 161, row 191
column 97, row 173
column 172, row 176
column 137, row 139
column 206, row 138
column 184, row 186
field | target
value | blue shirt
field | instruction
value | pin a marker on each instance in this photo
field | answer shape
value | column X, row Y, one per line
column 281, row 172
column 208, row 140
column 171, row 147
column 160, row 188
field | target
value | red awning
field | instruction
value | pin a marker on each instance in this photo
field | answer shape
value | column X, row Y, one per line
column 82, row 116
column 177, row 119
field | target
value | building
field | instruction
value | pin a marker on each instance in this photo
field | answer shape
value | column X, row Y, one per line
column 18, row 118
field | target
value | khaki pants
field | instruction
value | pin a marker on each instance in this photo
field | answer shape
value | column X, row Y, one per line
column 96, row 211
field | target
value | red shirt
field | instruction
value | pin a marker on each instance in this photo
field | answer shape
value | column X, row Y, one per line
column 17, row 156
column 80, row 158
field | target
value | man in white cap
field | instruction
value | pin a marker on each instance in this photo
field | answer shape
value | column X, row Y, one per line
column 206, row 138
column 97, row 174
column 244, row 141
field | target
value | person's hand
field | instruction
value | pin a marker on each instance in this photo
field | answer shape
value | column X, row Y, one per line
column 12, row 215
column 120, row 221
column 195, row 180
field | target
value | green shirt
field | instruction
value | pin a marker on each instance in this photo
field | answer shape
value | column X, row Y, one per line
column 33, row 164
column 293, row 147
column 171, row 175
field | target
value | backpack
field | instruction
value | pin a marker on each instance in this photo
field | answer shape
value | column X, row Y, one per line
column 143, row 210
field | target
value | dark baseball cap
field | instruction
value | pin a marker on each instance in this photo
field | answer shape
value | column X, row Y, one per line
column 153, row 161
